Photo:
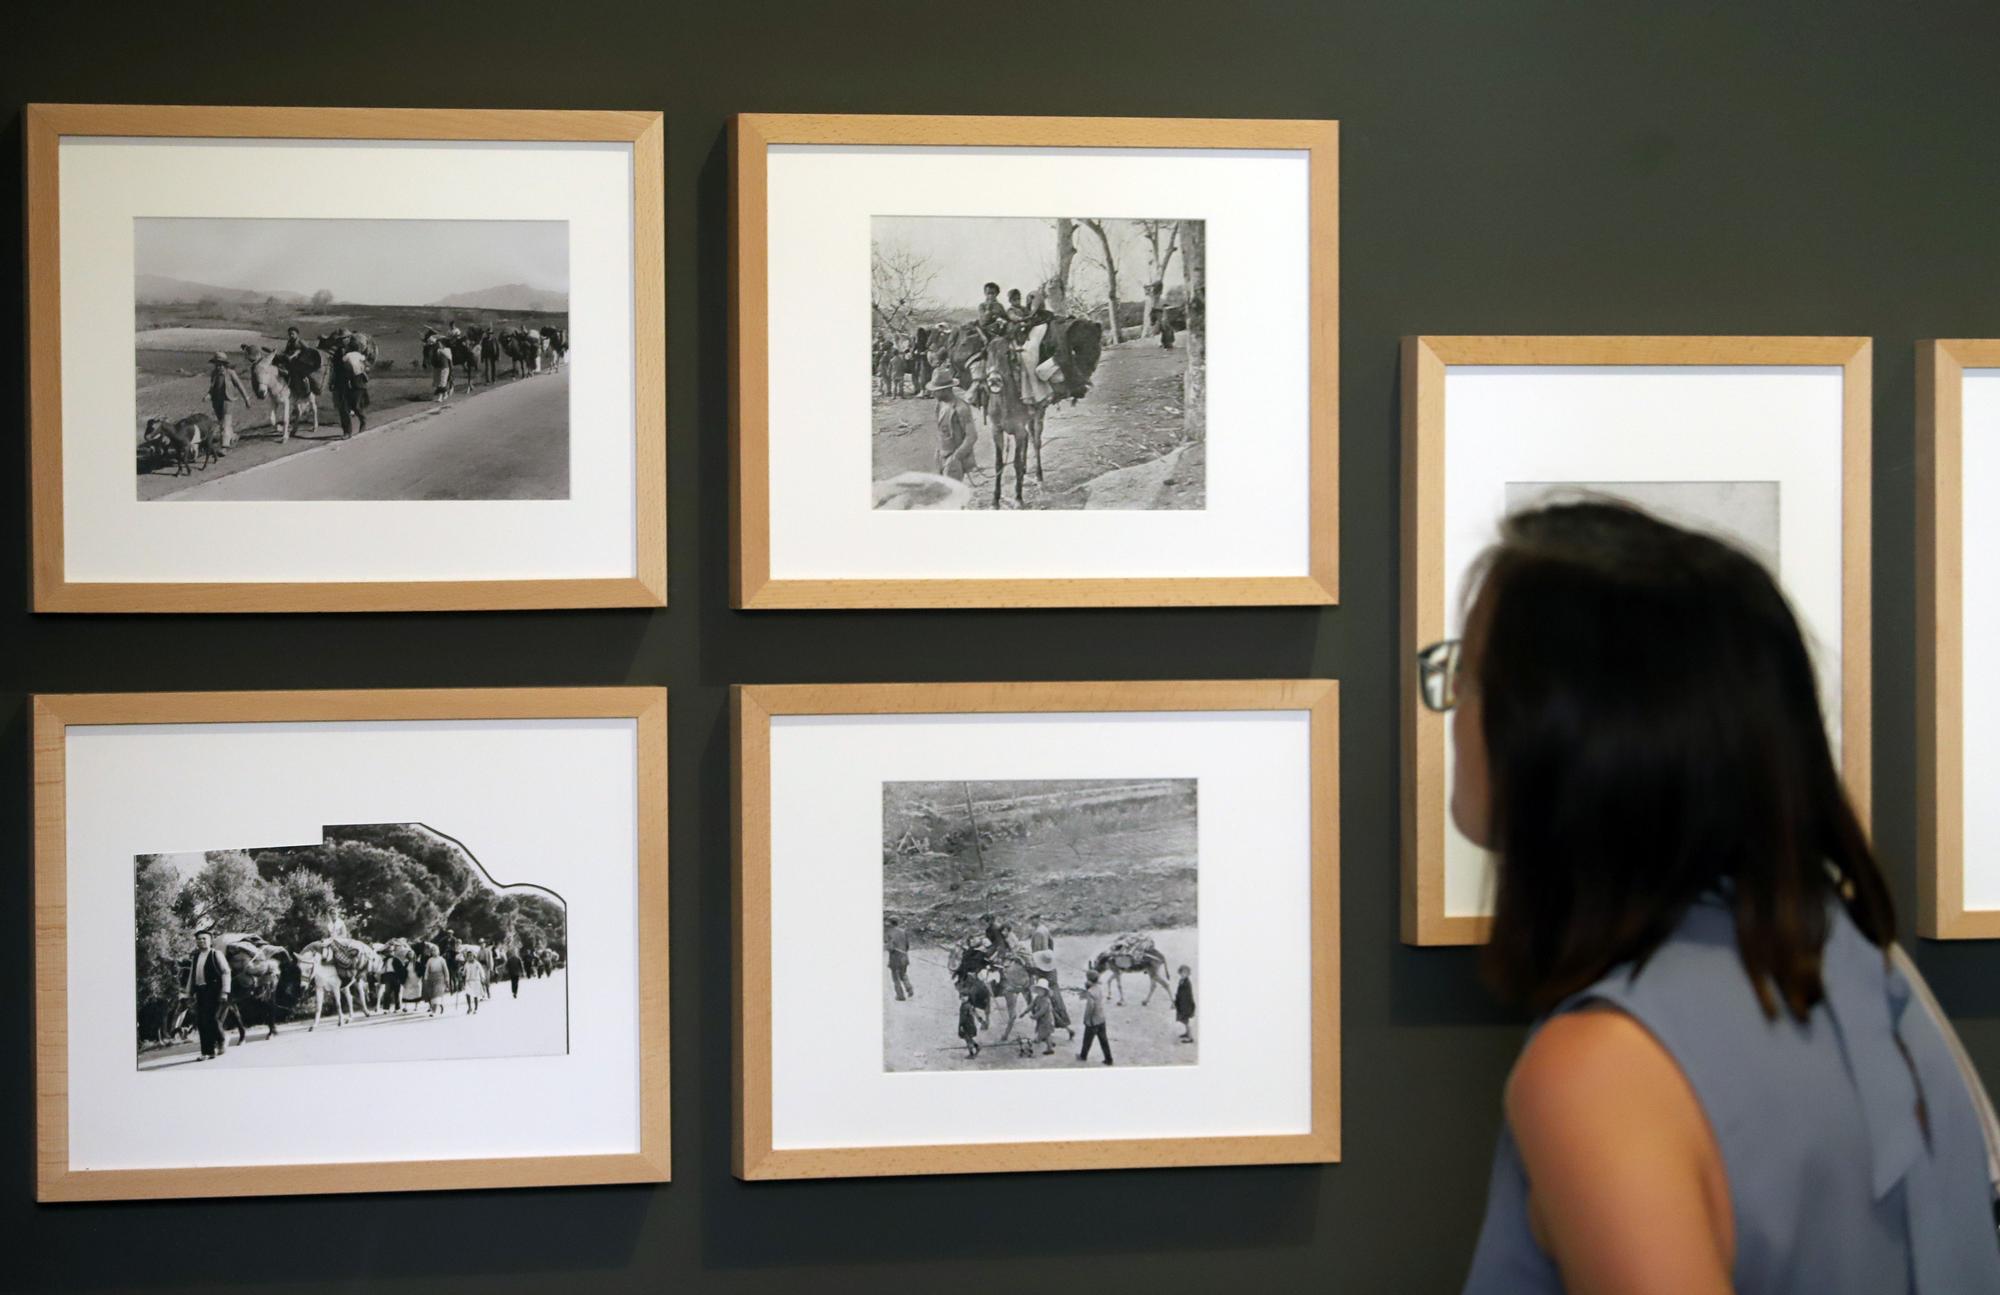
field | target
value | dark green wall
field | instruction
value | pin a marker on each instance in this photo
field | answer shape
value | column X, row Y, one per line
column 1604, row 167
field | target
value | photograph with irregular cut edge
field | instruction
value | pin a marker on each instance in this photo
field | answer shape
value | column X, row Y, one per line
column 1040, row 924
column 1027, row 363
column 380, row 942
column 355, row 359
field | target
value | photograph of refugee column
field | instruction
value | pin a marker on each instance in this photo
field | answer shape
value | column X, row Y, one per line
column 1039, row 923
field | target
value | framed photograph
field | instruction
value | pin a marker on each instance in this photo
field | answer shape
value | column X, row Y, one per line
column 999, row 927
column 1034, row 361
column 1958, row 620
column 1763, row 440
column 349, row 941
column 384, row 359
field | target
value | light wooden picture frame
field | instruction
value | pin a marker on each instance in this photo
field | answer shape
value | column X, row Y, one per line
column 770, row 481
column 768, row 716
column 572, row 520
column 1945, row 550
column 1426, row 916
column 490, row 716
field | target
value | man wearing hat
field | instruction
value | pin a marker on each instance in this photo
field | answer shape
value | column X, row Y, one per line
column 1042, row 971
column 222, row 380
column 955, row 426
column 208, row 985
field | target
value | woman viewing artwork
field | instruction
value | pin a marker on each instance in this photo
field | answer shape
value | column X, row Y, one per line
column 1730, row 1085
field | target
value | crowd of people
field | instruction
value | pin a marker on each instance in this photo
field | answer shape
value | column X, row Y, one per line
column 400, row 975
column 993, row 963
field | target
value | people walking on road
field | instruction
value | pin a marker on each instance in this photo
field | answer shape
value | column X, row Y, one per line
column 898, row 944
column 968, row 1024
column 1041, row 1006
column 208, row 984
column 350, row 385
column 438, row 356
column 1184, row 1004
column 437, row 980
column 413, row 978
column 223, row 386
column 514, row 970
column 1093, row 1018
column 1042, row 970
column 474, row 973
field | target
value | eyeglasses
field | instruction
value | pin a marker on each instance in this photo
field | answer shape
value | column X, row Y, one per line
column 1437, row 675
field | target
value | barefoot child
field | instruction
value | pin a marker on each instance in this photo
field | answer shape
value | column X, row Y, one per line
column 1184, row 1004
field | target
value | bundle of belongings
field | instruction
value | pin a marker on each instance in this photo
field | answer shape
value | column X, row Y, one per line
column 348, row 953
column 249, row 954
column 1133, row 950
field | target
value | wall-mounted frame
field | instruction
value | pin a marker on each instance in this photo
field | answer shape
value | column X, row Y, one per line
column 355, row 331
column 1198, row 463
column 1762, row 439
column 321, row 840
column 1041, row 819
column 1958, row 462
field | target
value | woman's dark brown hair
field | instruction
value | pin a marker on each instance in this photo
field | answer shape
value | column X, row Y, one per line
column 1653, row 732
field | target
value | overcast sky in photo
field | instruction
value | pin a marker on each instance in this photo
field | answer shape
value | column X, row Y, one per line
column 368, row 262
column 1015, row 252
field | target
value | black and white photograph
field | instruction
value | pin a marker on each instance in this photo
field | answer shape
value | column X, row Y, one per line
column 1030, row 363
column 1040, row 923
column 380, row 942
column 319, row 359
column 1744, row 512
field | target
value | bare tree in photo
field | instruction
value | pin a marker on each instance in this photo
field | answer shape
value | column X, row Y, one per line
column 1194, row 264
column 1159, row 257
column 1096, row 227
column 1065, row 254
column 902, row 281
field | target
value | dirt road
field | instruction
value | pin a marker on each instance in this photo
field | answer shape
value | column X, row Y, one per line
column 922, row 1033
column 505, row 442
column 1131, row 416
column 534, row 1025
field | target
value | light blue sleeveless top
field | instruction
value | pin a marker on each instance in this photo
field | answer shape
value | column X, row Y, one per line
column 1835, row 1187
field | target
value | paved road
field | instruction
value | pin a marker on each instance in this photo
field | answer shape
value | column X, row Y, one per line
column 509, row 442
column 534, row 1025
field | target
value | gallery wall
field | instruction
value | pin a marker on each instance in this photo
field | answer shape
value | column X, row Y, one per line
column 1525, row 168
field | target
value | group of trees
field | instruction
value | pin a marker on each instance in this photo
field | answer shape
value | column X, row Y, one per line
column 381, row 880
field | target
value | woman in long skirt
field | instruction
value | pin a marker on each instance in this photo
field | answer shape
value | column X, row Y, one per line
column 437, row 981
column 474, row 972
column 413, row 980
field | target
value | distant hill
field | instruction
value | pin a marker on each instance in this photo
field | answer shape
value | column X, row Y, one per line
column 162, row 290
column 511, row 296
